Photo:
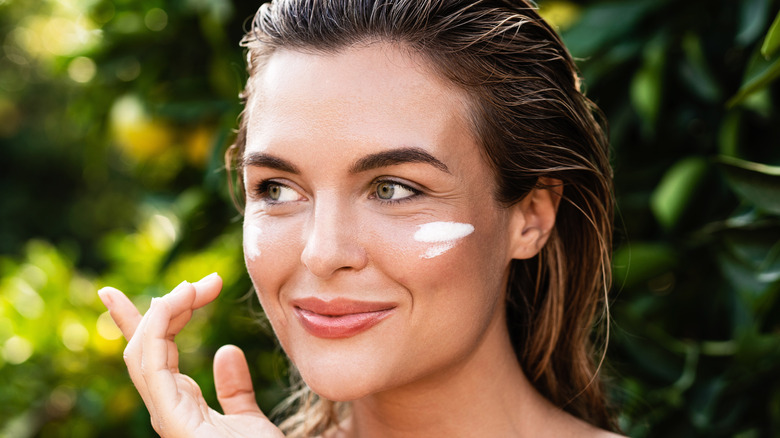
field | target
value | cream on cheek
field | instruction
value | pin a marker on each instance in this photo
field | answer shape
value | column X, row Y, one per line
column 442, row 236
column 252, row 235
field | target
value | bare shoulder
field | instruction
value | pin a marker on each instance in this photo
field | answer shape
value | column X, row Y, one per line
column 591, row 431
column 607, row 434
column 559, row 423
column 581, row 428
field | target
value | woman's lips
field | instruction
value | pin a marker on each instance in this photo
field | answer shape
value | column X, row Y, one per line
column 339, row 318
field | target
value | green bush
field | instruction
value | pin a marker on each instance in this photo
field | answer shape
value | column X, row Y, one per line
column 688, row 90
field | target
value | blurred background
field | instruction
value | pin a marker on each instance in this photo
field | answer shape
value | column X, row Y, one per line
column 114, row 118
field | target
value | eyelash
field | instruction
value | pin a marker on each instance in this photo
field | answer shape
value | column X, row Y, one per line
column 261, row 191
column 415, row 193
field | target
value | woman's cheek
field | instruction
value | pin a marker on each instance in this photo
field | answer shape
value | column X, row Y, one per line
column 272, row 254
column 440, row 236
column 252, row 241
column 412, row 250
column 270, row 250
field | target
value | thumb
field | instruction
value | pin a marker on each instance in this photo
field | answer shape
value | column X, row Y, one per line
column 234, row 383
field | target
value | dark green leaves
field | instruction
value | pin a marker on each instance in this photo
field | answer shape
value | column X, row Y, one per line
column 690, row 90
column 757, row 184
column 764, row 67
column 772, row 40
column 674, row 193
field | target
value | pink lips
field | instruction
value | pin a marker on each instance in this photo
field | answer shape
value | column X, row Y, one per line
column 339, row 318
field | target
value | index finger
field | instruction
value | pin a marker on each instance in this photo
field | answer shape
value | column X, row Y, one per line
column 121, row 309
column 126, row 315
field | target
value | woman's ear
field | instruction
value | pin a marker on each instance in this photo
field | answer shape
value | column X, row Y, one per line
column 533, row 218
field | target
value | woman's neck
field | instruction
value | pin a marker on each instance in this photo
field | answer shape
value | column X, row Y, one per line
column 487, row 394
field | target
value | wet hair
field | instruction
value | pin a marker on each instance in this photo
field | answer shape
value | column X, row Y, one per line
column 532, row 120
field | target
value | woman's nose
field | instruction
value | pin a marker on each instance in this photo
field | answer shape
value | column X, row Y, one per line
column 332, row 240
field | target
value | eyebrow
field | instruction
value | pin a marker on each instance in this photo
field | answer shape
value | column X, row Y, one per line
column 372, row 161
column 259, row 159
column 397, row 156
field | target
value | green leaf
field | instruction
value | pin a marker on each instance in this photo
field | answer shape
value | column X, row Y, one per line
column 756, row 245
column 750, row 261
column 728, row 135
column 753, row 15
column 756, row 183
column 640, row 262
column 590, row 34
column 647, row 84
column 759, row 74
column 772, row 39
column 695, row 71
column 676, row 189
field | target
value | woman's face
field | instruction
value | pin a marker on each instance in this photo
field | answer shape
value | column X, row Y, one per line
column 371, row 233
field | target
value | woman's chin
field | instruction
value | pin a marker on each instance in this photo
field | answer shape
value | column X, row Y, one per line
column 339, row 386
column 338, row 396
column 344, row 382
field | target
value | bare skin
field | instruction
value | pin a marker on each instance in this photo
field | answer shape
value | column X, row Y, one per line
column 481, row 404
column 457, row 374
column 177, row 407
column 174, row 400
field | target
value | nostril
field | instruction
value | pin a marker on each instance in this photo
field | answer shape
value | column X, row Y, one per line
column 332, row 249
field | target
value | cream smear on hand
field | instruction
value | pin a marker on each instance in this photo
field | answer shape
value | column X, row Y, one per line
column 444, row 234
column 252, row 240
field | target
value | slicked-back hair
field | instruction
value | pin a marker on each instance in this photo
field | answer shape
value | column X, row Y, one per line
column 532, row 120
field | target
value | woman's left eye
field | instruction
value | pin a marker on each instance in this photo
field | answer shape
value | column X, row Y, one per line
column 393, row 191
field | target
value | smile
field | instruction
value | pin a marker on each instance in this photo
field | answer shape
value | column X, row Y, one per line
column 339, row 318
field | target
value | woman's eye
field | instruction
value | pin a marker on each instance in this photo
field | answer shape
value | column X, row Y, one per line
column 393, row 191
column 276, row 192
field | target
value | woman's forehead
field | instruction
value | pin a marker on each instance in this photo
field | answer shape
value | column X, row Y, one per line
column 359, row 73
column 375, row 94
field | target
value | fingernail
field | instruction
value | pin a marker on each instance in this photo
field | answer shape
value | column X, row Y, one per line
column 208, row 277
column 180, row 287
column 104, row 297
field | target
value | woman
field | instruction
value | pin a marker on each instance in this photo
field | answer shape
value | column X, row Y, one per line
column 427, row 226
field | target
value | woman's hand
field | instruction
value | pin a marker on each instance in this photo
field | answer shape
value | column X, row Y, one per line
column 174, row 400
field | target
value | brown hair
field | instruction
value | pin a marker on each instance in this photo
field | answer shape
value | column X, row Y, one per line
column 533, row 121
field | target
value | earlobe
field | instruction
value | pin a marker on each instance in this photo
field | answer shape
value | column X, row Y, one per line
column 533, row 218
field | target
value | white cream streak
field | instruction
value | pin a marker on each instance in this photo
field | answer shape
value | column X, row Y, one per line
column 252, row 240
column 444, row 234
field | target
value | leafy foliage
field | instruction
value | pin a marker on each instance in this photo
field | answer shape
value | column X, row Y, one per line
column 690, row 91
column 113, row 121
column 114, row 117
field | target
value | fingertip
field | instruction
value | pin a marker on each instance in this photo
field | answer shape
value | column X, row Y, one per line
column 212, row 280
column 230, row 360
column 181, row 297
column 121, row 310
column 111, row 296
column 229, row 347
column 233, row 382
column 105, row 296
column 228, row 351
column 181, row 287
column 209, row 278
column 207, row 289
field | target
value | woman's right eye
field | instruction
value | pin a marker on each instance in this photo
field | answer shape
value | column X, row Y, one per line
column 275, row 192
